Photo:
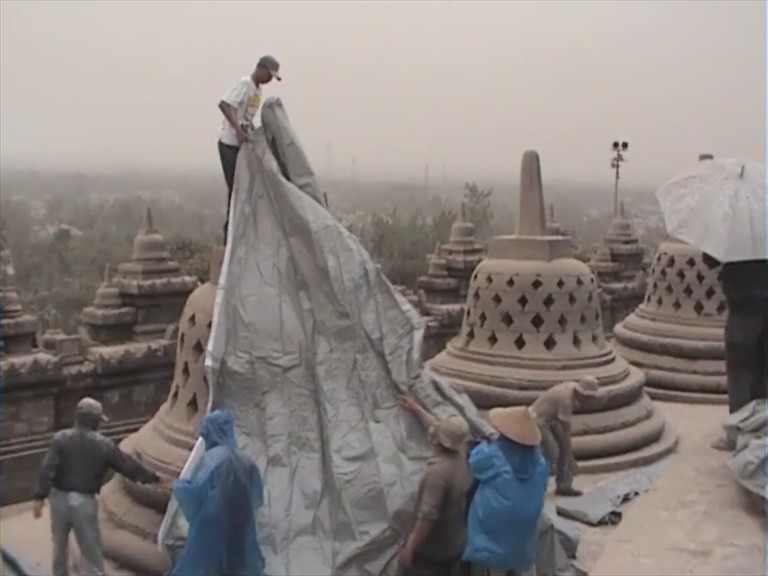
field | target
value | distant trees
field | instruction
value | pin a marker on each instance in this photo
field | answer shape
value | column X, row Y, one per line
column 479, row 208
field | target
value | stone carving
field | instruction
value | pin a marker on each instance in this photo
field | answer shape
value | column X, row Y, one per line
column 676, row 334
column 618, row 265
column 131, row 513
column 554, row 228
column 533, row 320
column 41, row 385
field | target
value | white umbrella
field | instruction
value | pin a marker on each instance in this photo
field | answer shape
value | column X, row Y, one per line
column 719, row 206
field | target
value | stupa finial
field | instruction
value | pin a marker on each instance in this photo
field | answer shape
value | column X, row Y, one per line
column 531, row 219
column 438, row 250
column 622, row 211
column 703, row 157
column 551, row 212
column 107, row 271
column 463, row 211
column 149, row 225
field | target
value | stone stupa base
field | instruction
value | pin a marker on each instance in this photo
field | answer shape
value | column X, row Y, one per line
column 677, row 369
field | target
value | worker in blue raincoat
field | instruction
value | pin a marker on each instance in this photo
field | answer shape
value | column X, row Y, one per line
column 219, row 502
column 512, row 476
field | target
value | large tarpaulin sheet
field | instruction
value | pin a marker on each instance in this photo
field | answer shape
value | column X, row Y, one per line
column 310, row 347
column 749, row 463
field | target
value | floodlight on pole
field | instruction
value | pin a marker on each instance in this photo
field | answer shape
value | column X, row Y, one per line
column 619, row 148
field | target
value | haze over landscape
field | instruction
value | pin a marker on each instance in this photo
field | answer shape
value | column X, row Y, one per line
column 468, row 85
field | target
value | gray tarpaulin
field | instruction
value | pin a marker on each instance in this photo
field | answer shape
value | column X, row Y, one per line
column 601, row 505
column 749, row 462
column 310, row 347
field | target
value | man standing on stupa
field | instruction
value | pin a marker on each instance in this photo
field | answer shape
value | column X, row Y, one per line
column 553, row 411
column 239, row 107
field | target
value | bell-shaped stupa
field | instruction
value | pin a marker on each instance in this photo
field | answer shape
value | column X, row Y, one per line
column 131, row 513
column 533, row 321
column 676, row 335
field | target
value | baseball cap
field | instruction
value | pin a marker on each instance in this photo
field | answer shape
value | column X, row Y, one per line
column 91, row 407
column 271, row 64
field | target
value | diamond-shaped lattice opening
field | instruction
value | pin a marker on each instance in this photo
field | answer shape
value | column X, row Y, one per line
column 208, row 325
column 654, row 286
column 576, row 341
column 582, row 318
column 680, row 274
column 467, row 314
column 536, row 284
column 595, row 339
column 492, row 339
column 698, row 307
column 511, row 282
column 192, row 407
column 721, row 307
column 691, row 262
column 560, row 283
column 537, row 321
column 688, row 291
column 519, row 342
column 597, row 314
column 482, row 318
column 571, row 298
column 710, row 292
column 496, row 299
column 648, row 298
column 592, row 280
column 181, row 340
column 197, row 351
column 663, row 274
column 590, row 297
column 192, row 321
column 700, row 277
column 476, row 295
column 670, row 261
column 710, row 263
column 489, row 279
column 676, row 305
column 579, row 281
column 523, row 301
column 184, row 373
column 548, row 301
column 668, row 289
column 474, row 276
column 563, row 322
column 550, row 342
column 507, row 319
column 469, row 337
column 174, row 397
column 658, row 257
column 659, row 301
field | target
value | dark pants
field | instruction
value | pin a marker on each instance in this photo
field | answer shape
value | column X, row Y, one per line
column 746, row 363
column 554, row 448
column 228, row 156
column 427, row 567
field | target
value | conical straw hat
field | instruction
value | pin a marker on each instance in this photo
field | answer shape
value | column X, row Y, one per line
column 517, row 424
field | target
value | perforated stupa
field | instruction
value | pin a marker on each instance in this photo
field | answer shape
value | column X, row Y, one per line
column 676, row 336
column 532, row 321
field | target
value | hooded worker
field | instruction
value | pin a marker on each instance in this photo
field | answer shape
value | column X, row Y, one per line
column 512, row 478
column 437, row 540
column 219, row 502
column 553, row 411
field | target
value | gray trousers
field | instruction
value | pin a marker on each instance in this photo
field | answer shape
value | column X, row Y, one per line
column 554, row 449
column 746, row 363
column 72, row 511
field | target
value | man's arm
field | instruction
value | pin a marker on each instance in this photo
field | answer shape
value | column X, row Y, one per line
column 428, row 512
column 410, row 405
column 48, row 471
column 128, row 466
column 228, row 106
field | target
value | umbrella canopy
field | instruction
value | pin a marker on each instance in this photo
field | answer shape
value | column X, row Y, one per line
column 719, row 206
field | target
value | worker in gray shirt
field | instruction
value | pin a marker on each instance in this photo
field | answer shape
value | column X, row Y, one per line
column 72, row 473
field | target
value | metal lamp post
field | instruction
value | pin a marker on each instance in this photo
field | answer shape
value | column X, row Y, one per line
column 619, row 149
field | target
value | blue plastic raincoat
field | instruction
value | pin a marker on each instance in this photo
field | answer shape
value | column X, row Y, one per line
column 219, row 501
column 502, row 527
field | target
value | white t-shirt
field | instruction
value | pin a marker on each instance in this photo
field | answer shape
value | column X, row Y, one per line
column 245, row 97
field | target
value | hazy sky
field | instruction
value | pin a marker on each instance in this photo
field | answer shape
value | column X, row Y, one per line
column 470, row 85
